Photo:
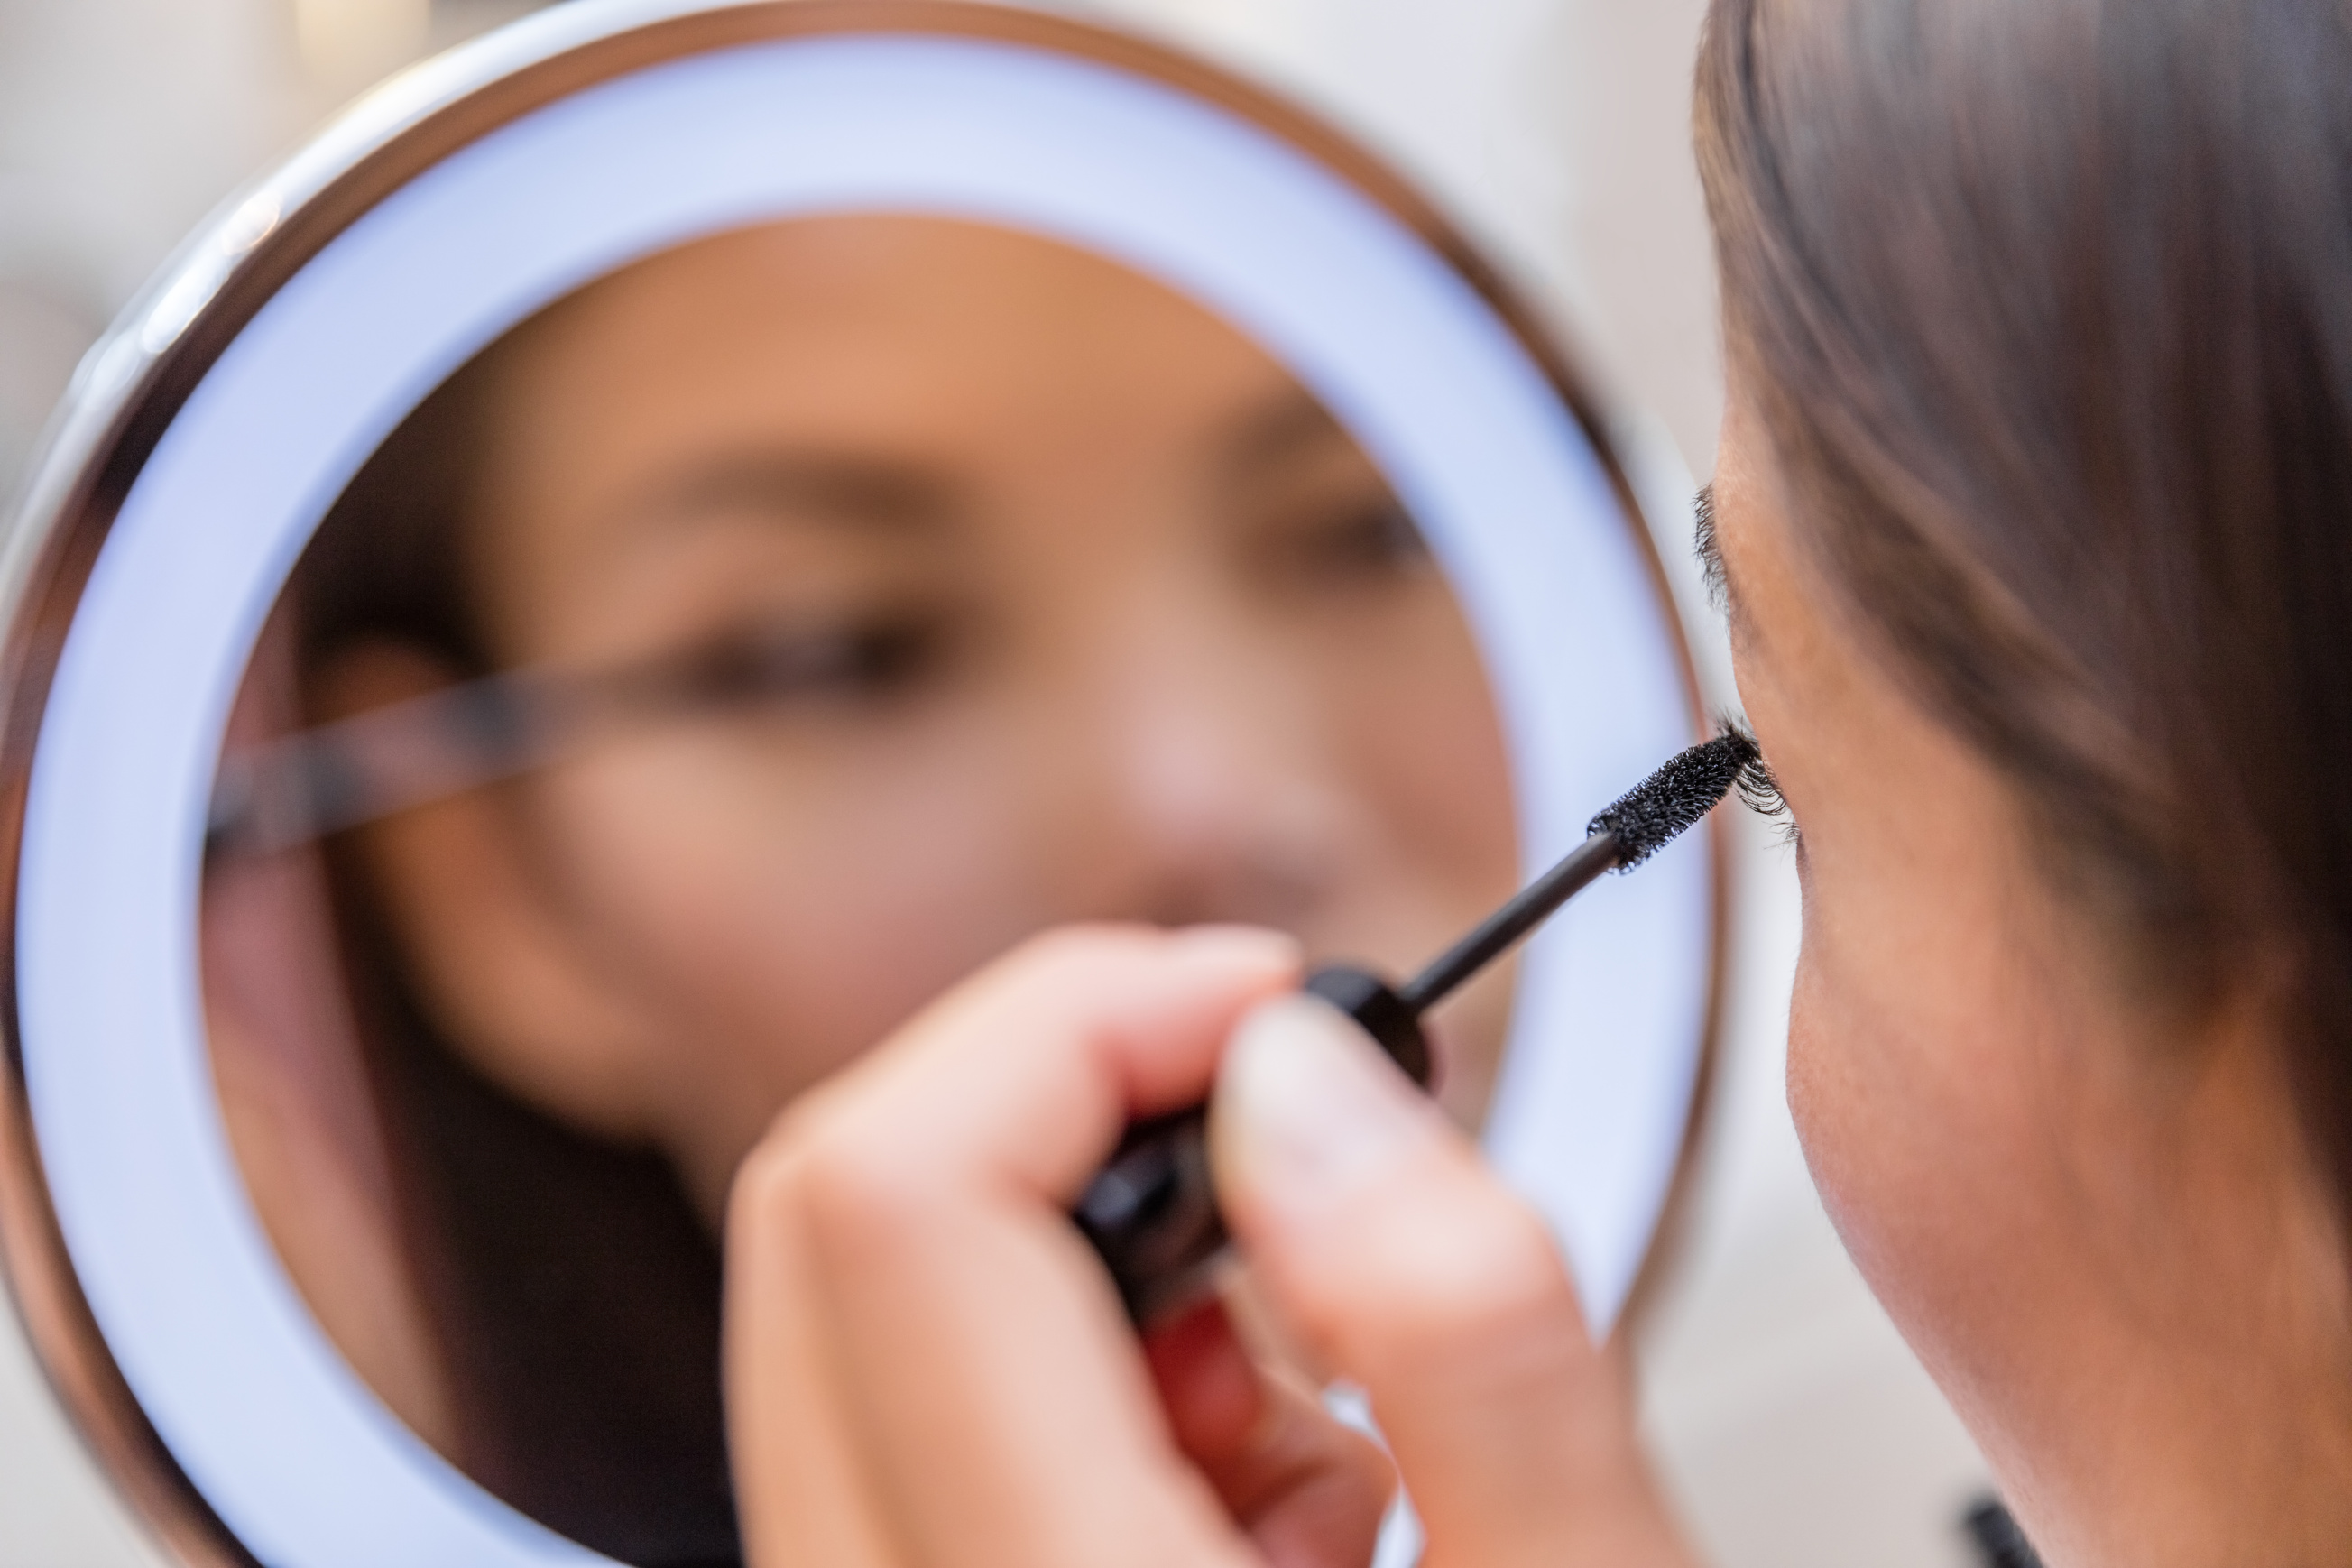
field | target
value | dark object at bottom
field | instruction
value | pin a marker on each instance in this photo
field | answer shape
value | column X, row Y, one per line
column 1151, row 1213
column 1999, row 1542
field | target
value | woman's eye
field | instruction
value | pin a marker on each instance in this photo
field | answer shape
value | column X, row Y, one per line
column 859, row 661
column 1368, row 542
column 1761, row 793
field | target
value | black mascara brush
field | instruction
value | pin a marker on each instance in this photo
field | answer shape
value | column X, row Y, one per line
column 1151, row 1212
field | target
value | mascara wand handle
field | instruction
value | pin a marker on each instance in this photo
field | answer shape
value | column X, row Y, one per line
column 1504, row 928
column 1152, row 1212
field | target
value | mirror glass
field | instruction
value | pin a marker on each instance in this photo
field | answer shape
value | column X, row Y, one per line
column 724, row 661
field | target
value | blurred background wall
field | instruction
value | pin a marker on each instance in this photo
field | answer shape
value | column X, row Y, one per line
column 1795, row 1429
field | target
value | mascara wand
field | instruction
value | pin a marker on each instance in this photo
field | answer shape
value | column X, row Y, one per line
column 1151, row 1214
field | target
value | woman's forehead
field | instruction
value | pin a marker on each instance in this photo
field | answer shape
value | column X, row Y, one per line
column 856, row 275
column 958, row 333
column 858, row 355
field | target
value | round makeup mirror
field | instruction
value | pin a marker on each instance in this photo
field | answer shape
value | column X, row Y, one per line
column 662, row 540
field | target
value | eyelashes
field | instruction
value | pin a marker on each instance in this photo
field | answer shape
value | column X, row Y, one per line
column 1761, row 792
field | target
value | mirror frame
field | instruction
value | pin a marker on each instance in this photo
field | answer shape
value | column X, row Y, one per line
column 135, row 382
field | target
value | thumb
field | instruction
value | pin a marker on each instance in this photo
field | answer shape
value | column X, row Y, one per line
column 1404, row 1265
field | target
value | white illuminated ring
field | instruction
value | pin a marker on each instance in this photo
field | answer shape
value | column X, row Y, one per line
column 284, row 1441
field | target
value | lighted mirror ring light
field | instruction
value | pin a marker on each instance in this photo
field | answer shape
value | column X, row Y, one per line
column 688, row 123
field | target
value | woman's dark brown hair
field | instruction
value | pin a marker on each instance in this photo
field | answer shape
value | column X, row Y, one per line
column 2046, row 306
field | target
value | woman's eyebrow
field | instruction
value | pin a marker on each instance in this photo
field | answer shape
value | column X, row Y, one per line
column 1710, row 554
column 1722, row 588
column 1277, row 430
column 845, row 489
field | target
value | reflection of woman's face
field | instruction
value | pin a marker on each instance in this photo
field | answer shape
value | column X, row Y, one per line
column 1122, row 627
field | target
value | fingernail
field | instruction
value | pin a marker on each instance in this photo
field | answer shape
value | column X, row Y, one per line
column 1308, row 1111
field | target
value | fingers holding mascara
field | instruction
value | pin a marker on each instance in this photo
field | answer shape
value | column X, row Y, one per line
column 1308, row 1492
column 926, row 1364
column 1404, row 1265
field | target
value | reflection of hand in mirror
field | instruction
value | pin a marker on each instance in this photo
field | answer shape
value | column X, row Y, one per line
column 1090, row 612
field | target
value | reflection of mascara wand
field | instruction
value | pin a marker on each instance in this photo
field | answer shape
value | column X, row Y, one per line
column 1151, row 1212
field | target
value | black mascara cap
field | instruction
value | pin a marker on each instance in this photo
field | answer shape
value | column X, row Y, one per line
column 1379, row 1012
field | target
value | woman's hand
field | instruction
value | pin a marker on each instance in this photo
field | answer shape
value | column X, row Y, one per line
column 1397, row 1261
column 926, row 1366
column 925, row 1362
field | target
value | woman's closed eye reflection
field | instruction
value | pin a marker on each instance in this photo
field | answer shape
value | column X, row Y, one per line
column 1316, row 517
column 715, row 670
column 873, row 660
column 1351, row 542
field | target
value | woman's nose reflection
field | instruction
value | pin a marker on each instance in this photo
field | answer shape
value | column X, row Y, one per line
column 1088, row 611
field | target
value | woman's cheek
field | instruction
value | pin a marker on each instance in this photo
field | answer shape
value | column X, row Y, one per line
column 1909, row 1081
column 1829, row 1125
column 1866, row 1124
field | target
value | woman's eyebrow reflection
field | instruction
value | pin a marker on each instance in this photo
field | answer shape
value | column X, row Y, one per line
column 1277, row 431
column 858, row 491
